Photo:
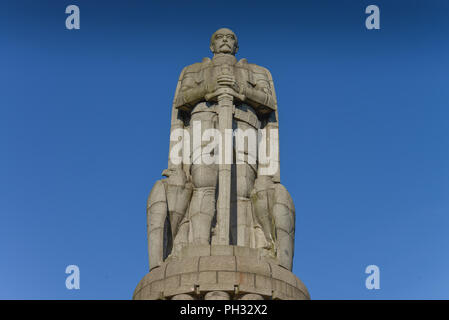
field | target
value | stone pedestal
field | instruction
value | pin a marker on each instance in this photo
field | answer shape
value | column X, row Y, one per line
column 220, row 272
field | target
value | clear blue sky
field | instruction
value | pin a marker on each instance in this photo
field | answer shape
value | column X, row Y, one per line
column 364, row 129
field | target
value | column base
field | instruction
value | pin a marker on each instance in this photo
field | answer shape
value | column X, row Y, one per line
column 220, row 272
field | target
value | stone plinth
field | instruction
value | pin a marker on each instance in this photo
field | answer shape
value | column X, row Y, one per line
column 220, row 273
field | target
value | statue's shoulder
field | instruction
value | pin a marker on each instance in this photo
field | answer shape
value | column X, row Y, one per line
column 255, row 68
column 197, row 67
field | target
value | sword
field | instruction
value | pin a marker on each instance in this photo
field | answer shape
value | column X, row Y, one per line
column 225, row 114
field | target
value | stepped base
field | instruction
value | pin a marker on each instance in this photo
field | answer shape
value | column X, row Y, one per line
column 220, row 273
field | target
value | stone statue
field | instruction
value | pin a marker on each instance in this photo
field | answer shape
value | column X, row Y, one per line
column 238, row 201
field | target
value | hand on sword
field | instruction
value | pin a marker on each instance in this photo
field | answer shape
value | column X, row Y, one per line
column 224, row 90
column 226, row 85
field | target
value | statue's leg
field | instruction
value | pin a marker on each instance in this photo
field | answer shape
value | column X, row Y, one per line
column 243, row 176
column 241, row 232
column 284, row 217
column 156, row 215
column 202, row 210
column 204, row 178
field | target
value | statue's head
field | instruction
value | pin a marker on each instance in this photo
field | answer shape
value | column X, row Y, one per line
column 224, row 41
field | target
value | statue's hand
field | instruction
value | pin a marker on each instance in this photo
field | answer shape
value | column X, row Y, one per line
column 226, row 80
column 224, row 90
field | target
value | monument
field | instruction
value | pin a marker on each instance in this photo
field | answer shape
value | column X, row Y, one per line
column 220, row 225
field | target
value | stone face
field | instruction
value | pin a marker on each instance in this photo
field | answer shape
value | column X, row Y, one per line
column 220, row 230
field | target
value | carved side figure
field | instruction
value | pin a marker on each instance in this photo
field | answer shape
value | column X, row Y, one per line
column 166, row 206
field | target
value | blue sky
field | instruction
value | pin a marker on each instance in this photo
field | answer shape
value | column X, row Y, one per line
column 364, row 129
